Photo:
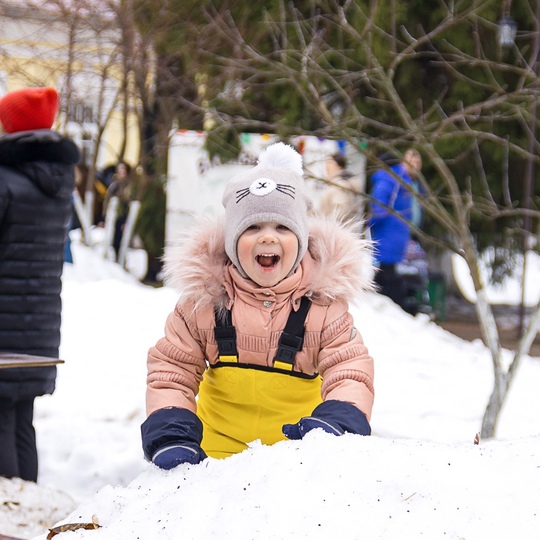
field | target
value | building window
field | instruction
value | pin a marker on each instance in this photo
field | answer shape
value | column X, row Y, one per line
column 81, row 113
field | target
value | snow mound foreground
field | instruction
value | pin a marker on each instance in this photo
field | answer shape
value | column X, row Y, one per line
column 26, row 508
column 330, row 487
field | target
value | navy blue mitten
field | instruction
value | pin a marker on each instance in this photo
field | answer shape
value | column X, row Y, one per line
column 171, row 437
column 335, row 417
column 172, row 456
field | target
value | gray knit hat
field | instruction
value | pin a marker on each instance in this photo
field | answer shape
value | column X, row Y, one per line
column 272, row 191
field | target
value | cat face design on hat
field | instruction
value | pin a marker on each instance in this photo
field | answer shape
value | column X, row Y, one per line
column 262, row 187
column 273, row 191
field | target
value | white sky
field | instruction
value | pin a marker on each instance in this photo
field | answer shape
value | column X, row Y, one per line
column 418, row 476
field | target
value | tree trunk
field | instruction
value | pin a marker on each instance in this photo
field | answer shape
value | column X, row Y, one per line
column 494, row 406
column 83, row 216
column 110, row 226
column 129, row 229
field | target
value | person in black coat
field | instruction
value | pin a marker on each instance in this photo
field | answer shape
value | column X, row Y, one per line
column 37, row 175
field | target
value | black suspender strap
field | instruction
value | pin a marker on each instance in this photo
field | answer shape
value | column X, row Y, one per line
column 292, row 338
column 290, row 341
column 225, row 334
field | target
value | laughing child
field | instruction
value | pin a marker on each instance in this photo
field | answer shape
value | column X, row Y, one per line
column 261, row 344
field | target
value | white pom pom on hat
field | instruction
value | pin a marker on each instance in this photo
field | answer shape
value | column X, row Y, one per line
column 272, row 191
column 283, row 156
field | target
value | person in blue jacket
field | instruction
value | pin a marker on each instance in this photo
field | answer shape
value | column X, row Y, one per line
column 392, row 205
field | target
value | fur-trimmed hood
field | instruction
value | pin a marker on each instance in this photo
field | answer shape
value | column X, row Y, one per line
column 198, row 265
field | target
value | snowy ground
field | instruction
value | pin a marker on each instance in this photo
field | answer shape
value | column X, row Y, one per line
column 419, row 476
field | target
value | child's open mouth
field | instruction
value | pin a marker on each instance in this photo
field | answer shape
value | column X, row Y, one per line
column 267, row 260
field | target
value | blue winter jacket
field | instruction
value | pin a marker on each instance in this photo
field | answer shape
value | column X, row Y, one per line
column 390, row 233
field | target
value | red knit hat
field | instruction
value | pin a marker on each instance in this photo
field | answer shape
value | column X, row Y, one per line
column 28, row 109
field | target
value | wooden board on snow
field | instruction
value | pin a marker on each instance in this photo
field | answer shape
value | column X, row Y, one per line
column 11, row 360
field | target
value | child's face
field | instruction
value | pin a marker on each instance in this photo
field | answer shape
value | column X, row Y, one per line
column 267, row 252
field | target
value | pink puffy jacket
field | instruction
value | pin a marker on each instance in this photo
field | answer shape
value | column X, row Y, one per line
column 335, row 270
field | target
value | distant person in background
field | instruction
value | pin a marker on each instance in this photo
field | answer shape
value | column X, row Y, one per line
column 37, row 177
column 391, row 210
column 121, row 187
column 341, row 196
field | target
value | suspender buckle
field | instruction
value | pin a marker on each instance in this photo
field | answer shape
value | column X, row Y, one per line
column 287, row 348
column 226, row 342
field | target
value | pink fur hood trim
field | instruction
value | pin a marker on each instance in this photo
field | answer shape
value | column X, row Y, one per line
column 342, row 269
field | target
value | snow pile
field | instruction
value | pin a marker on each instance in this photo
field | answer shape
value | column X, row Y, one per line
column 329, row 487
column 26, row 508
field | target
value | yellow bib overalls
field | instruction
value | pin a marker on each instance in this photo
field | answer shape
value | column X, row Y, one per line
column 241, row 402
